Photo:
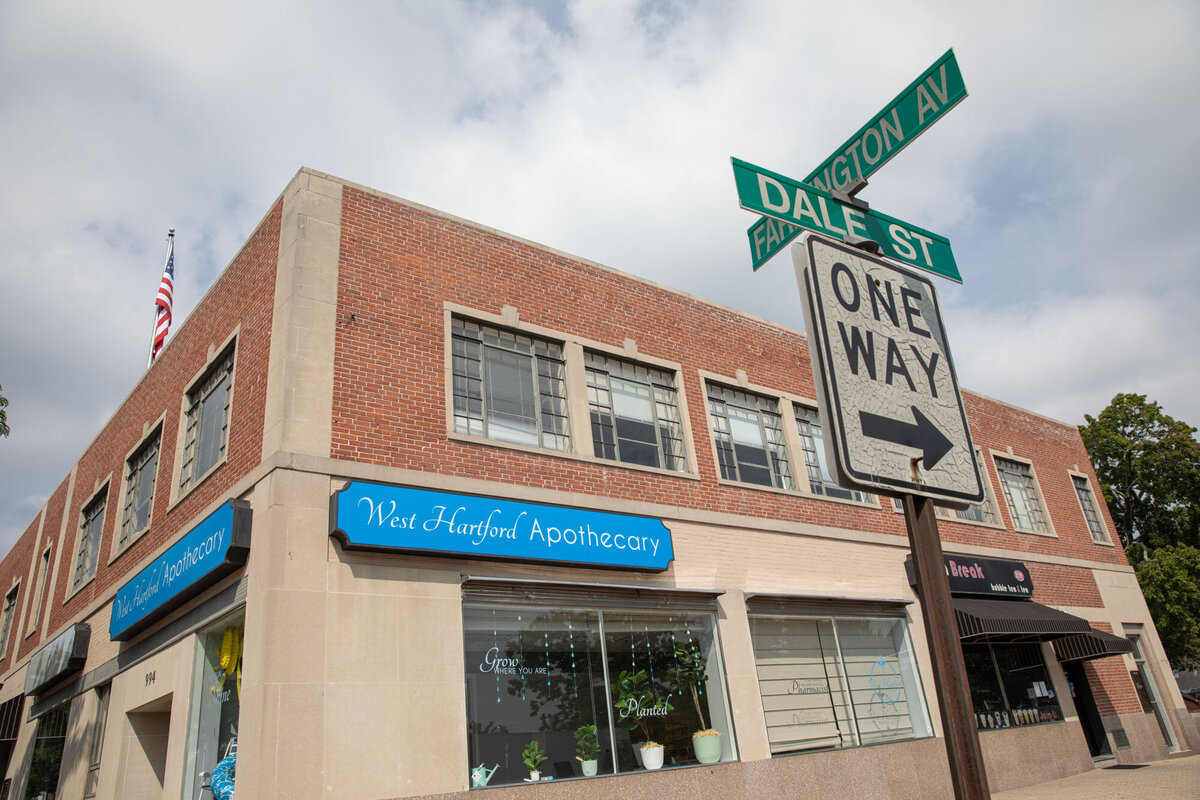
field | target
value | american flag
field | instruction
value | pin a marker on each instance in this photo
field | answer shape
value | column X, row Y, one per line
column 166, row 290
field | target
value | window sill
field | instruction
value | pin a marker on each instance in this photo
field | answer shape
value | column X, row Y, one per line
column 1043, row 534
column 466, row 438
column 800, row 493
column 134, row 539
column 196, row 484
column 992, row 526
column 79, row 588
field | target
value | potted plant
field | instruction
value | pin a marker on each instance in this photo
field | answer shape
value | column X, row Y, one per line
column 692, row 671
column 652, row 755
column 587, row 749
column 636, row 703
column 533, row 755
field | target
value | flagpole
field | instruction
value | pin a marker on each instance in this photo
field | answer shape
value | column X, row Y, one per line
column 157, row 310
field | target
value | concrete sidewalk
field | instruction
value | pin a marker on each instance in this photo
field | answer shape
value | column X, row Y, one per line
column 1172, row 779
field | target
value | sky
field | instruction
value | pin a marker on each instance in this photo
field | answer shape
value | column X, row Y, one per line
column 1068, row 181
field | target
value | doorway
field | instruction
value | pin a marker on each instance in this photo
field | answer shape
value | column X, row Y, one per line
column 1085, row 706
column 1148, row 692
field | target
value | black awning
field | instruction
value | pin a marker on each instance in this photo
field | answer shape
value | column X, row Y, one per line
column 984, row 620
column 1093, row 644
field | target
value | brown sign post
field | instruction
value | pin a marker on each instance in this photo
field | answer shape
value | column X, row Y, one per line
column 950, row 673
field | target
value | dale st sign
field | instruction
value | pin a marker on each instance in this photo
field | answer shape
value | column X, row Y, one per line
column 886, row 382
column 799, row 204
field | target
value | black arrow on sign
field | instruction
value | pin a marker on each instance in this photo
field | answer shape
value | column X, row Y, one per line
column 923, row 434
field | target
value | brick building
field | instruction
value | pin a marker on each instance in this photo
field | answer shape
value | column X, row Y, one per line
column 405, row 494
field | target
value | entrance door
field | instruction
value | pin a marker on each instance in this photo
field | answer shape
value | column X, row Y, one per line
column 1153, row 697
column 1085, row 705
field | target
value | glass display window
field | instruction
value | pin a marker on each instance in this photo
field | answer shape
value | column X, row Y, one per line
column 216, row 703
column 835, row 682
column 588, row 682
column 1010, row 685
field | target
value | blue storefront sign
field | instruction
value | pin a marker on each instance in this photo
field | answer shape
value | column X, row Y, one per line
column 372, row 516
column 210, row 551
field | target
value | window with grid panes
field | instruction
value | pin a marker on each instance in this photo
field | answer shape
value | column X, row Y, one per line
column 749, row 437
column 634, row 413
column 10, row 605
column 508, row 386
column 820, row 478
column 43, row 576
column 139, row 491
column 207, row 422
column 1083, row 491
column 1021, row 493
column 89, row 540
column 96, row 749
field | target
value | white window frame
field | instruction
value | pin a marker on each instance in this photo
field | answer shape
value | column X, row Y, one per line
column 1039, row 495
column 8, row 616
column 185, row 479
column 786, row 479
column 1106, row 539
column 819, row 492
column 80, row 575
column 132, row 482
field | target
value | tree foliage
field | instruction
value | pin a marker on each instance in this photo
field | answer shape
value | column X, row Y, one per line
column 1170, row 580
column 1148, row 465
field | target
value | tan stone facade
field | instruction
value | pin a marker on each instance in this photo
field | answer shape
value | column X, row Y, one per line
column 348, row 673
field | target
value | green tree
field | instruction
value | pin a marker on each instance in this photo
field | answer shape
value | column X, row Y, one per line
column 3, row 414
column 1148, row 465
column 1170, row 580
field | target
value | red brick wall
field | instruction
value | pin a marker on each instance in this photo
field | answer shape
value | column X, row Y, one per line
column 1110, row 682
column 398, row 265
column 1065, row 586
column 243, row 295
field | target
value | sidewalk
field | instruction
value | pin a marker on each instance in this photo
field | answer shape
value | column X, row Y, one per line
column 1172, row 779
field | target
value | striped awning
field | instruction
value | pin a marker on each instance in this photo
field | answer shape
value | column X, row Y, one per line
column 981, row 619
column 1093, row 644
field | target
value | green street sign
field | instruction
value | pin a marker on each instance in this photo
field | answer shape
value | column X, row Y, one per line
column 936, row 91
column 793, row 205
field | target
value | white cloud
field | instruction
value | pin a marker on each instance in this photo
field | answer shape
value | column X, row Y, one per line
column 1066, row 180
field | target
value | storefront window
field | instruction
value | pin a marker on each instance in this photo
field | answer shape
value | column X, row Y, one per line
column 1010, row 685
column 216, row 701
column 837, row 682
column 47, row 754
column 550, row 674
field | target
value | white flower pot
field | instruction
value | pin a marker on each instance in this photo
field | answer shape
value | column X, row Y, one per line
column 590, row 766
column 652, row 757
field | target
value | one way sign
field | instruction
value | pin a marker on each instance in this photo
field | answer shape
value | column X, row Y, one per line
column 886, row 382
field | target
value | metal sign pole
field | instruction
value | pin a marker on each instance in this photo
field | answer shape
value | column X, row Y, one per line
column 949, row 671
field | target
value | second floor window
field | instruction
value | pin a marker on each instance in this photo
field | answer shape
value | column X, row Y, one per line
column 89, row 540
column 139, row 491
column 634, row 414
column 749, row 438
column 10, row 605
column 1091, row 514
column 509, row 386
column 1021, row 493
column 207, row 422
column 820, row 477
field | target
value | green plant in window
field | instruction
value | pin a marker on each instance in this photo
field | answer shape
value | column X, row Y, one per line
column 533, row 755
column 691, row 670
column 636, row 701
column 587, row 744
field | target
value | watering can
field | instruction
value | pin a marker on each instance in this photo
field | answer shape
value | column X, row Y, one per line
column 481, row 775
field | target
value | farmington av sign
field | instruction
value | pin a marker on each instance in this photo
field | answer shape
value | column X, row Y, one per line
column 925, row 101
column 210, row 551
column 372, row 516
